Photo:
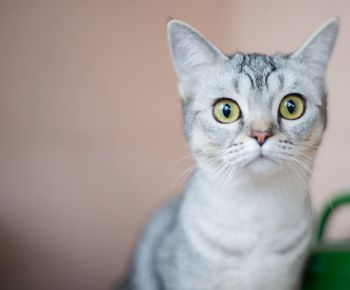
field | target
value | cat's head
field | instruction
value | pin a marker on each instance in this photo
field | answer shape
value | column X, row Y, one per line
column 252, row 112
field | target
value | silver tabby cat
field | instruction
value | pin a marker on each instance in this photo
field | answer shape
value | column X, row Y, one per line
column 253, row 123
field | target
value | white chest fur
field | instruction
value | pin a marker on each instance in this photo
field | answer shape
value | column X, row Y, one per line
column 249, row 230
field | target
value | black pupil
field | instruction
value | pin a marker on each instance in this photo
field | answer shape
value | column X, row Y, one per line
column 226, row 110
column 290, row 106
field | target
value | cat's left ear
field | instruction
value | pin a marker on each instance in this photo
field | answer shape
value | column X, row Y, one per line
column 191, row 53
column 316, row 51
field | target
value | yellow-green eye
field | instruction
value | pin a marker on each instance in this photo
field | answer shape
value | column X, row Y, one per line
column 226, row 111
column 292, row 107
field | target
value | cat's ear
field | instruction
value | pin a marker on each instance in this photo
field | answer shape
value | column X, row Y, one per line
column 191, row 53
column 316, row 51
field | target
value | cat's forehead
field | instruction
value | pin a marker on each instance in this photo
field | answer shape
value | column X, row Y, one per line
column 247, row 74
column 259, row 62
column 256, row 67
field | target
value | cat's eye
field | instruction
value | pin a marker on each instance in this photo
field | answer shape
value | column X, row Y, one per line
column 292, row 107
column 226, row 111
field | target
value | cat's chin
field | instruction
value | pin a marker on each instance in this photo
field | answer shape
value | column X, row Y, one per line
column 262, row 166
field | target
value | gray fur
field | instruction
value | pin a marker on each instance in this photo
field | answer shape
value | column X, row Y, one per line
column 243, row 222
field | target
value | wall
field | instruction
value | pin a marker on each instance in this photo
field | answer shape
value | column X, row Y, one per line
column 90, row 124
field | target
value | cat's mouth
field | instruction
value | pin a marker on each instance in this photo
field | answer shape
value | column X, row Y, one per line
column 264, row 157
column 261, row 157
column 261, row 162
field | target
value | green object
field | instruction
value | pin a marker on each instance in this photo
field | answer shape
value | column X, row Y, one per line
column 328, row 267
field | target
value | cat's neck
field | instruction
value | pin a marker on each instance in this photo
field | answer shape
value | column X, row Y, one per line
column 244, row 214
column 224, row 210
column 282, row 189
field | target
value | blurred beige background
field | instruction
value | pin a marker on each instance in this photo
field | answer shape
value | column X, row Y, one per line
column 90, row 123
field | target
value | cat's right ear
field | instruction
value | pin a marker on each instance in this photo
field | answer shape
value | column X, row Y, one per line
column 317, row 50
column 191, row 53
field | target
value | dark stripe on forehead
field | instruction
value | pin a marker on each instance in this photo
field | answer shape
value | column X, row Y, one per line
column 259, row 80
column 258, row 68
column 243, row 69
column 244, row 58
column 236, row 85
column 251, row 77
column 273, row 68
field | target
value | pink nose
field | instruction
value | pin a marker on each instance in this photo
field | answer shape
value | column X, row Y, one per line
column 261, row 136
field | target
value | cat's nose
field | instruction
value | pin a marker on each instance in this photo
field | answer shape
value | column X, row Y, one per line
column 261, row 136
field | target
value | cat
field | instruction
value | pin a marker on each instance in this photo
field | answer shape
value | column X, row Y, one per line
column 253, row 123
